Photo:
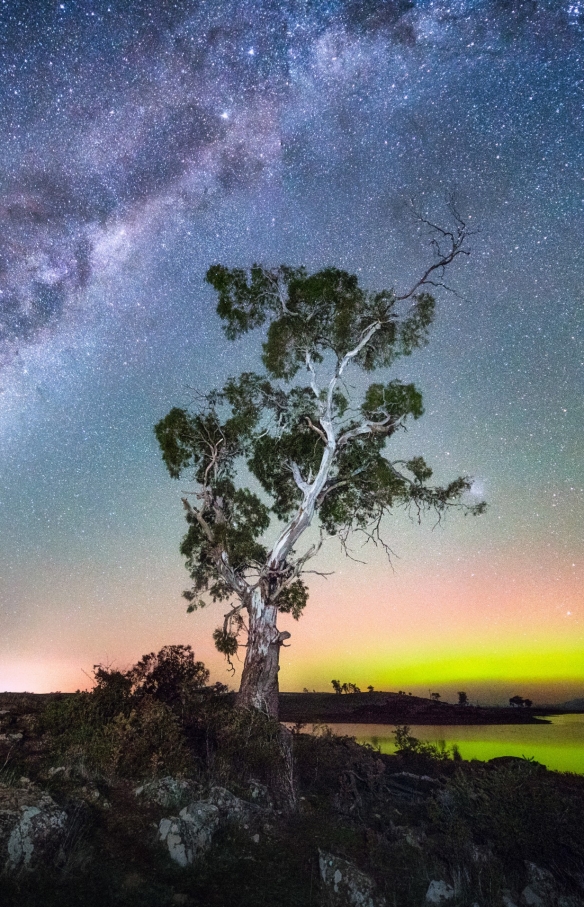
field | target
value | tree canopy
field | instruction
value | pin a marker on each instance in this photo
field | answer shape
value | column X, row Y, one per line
column 314, row 446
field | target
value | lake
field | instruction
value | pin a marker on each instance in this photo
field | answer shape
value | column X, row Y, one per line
column 559, row 745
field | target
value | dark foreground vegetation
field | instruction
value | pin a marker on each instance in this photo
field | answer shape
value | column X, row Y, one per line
column 122, row 775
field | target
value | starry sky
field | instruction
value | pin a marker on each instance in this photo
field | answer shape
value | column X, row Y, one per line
column 141, row 142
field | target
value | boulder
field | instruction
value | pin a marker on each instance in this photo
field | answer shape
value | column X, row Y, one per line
column 439, row 892
column 345, row 885
column 169, row 792
column 260, row 795
column 32, row 828
column 542, row 890
column 190, row 833
column 234, row 808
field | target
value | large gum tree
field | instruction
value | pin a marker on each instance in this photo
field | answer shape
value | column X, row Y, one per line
column 316, row 447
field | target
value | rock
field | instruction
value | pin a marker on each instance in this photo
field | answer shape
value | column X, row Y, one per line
column 542, row 890
column 507, row 898
column 232, row 808
column 32, row 828
column 259, row 794
column 439, row 892
column 11, row 738
column 190, row 833
column 408, row 786
column 345, row 885
column 415, row 837
column 169, row 792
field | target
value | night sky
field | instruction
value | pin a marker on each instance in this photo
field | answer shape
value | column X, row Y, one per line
column 141, row 142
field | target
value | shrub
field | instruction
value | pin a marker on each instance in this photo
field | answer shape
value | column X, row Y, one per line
column 128, row 724
column 146, row 743
column 171, row 676
column 523, row 812
column 408, row 745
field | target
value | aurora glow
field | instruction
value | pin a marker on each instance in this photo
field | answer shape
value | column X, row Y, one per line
column 142, row 143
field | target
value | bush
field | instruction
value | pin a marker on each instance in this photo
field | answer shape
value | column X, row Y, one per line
column 146, row 743
column 128, row 724
column 523, row 812
column 408, row 745
column 171, row 676
column 248, row 744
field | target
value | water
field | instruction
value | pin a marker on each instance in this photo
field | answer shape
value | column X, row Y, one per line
column 559, row 745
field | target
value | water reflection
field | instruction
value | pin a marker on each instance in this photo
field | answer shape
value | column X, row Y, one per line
column 558, row 745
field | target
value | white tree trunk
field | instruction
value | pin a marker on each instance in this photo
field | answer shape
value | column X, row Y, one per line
column 259, row 680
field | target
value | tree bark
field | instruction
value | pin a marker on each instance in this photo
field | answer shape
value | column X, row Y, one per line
column 259, row 679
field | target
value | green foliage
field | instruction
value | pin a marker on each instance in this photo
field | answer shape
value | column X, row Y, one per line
column 325, row 311
column 169, row 675
column 225, row 641
column 289, row 435
column 146, row 743
column 408, row 745
column 175, row 436
column 247, row 744
column 395, row 399
column 293, row 598
column 129, row 723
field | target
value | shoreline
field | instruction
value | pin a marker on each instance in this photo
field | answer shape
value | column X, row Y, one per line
column 396, row 709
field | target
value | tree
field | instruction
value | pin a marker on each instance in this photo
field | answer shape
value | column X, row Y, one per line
column 517, row 701
column 435, row 696
column 315, row 449
column 336, row 685
column 462, row 698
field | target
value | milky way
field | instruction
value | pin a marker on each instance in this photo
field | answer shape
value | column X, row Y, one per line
column 142, row 142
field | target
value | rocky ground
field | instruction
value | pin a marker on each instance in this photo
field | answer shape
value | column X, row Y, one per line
column 257, row 816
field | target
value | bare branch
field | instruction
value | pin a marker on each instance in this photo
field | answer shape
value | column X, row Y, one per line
column 456, row 239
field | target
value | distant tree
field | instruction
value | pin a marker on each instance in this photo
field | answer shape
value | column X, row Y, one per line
column 517, row 701
column 527, row 703
column 462, row 699
column 339, row 687
column 435, row 696
column 370, row 689
column 317, row 450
